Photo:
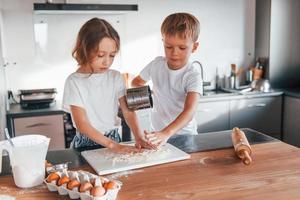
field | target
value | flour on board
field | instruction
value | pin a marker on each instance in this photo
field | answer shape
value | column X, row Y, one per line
column 145, row 155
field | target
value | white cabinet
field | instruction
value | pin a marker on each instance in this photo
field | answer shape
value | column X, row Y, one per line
column 262, row 114
column 51, row 126
column 291, row 121
column 212, row 116
column 18, row 32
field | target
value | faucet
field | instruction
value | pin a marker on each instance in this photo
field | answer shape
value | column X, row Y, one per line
column 201, row 68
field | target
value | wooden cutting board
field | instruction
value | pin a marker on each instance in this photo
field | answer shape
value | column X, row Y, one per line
column 104, row 161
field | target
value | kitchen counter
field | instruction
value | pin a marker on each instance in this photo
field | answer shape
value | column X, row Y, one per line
column 237, row 95
column 187, row 143
column 209, row 174
column 17, row 111
column 295, row 92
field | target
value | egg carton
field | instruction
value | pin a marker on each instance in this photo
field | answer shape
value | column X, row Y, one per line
column 82, row 177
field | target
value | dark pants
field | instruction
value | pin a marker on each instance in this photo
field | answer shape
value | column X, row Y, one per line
column 81, row 142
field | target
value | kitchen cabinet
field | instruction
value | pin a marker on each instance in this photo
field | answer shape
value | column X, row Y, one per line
column 51, row 126
column 262, row 114
column 291, row 121
column 212, row 116
column 48, row 122
column 259, row 112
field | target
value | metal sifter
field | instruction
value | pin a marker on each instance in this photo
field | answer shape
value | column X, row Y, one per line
column 139, row 98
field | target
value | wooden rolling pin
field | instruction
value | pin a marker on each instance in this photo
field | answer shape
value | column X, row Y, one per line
column 241, row 145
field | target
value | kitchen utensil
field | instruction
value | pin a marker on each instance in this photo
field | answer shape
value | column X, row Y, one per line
column 105, row 162
column 139, row 98
column 27, row 159
column 262, row 85
column 37, row 98
column 241, row 145
column 8, row 137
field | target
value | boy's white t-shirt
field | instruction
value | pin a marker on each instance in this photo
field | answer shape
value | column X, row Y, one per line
column 170, row 88
column 98, row 94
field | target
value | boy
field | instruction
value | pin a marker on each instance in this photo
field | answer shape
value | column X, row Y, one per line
column 176, row 82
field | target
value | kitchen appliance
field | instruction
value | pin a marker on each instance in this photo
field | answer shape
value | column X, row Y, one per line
column 262, row 85
column 37, row 98
column 105, row 162
column 27, row 159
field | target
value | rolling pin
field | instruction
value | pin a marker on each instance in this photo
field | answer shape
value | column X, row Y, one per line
column 241, row 145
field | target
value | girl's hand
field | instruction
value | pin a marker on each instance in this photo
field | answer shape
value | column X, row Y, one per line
column 124, row 149
column 141, row 143
column 157, row 138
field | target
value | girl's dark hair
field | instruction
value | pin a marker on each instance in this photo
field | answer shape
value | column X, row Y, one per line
column 89, row 37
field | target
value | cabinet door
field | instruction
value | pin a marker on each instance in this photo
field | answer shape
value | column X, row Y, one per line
column 51, row 126
column 212, row 116
column 291, row 121
column 261, row 114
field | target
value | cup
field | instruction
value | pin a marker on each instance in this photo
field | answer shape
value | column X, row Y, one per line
column 27, row 159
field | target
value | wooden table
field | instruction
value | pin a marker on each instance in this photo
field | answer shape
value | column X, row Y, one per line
column 274, row 174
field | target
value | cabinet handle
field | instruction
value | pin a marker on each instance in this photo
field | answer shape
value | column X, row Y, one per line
column 38, row 124
column 257, row 105
column 205, row 110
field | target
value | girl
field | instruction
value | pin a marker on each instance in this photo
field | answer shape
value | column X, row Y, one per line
column 94, row 92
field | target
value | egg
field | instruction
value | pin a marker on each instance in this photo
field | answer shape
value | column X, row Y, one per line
column 73, row 184
column 98, row 191
column 110, row 185
column 92, row 181
column 63, row 180
column 48, row 164
column 53, row 177
column 87, row 186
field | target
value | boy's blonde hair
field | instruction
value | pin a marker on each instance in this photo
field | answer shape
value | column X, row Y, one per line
column 181, row 24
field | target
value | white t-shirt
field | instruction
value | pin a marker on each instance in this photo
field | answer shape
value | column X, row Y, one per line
column 98, row 95
column 170, row 88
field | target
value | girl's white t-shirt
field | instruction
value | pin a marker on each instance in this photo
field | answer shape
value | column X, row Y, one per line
column 170, row 88
column 98, row 95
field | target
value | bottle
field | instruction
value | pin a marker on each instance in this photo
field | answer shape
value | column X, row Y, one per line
column 249, row 75
column 233, row 76
column 217, row 80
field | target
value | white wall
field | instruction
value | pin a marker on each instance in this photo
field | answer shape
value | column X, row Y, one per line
column 2, row 85
column 227, row 35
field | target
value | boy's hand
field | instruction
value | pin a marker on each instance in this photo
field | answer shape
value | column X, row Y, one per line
column 124, row 149
column 157, row 138
column 141, row 143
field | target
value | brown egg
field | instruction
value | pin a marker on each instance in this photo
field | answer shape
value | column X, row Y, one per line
column 87, row 186
column 92, row 181
column 73, row 184
column 47, row 164
column 97, row 181
column 98, row 191
column 63, row 180
column 110, row 185
column 52, row 177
